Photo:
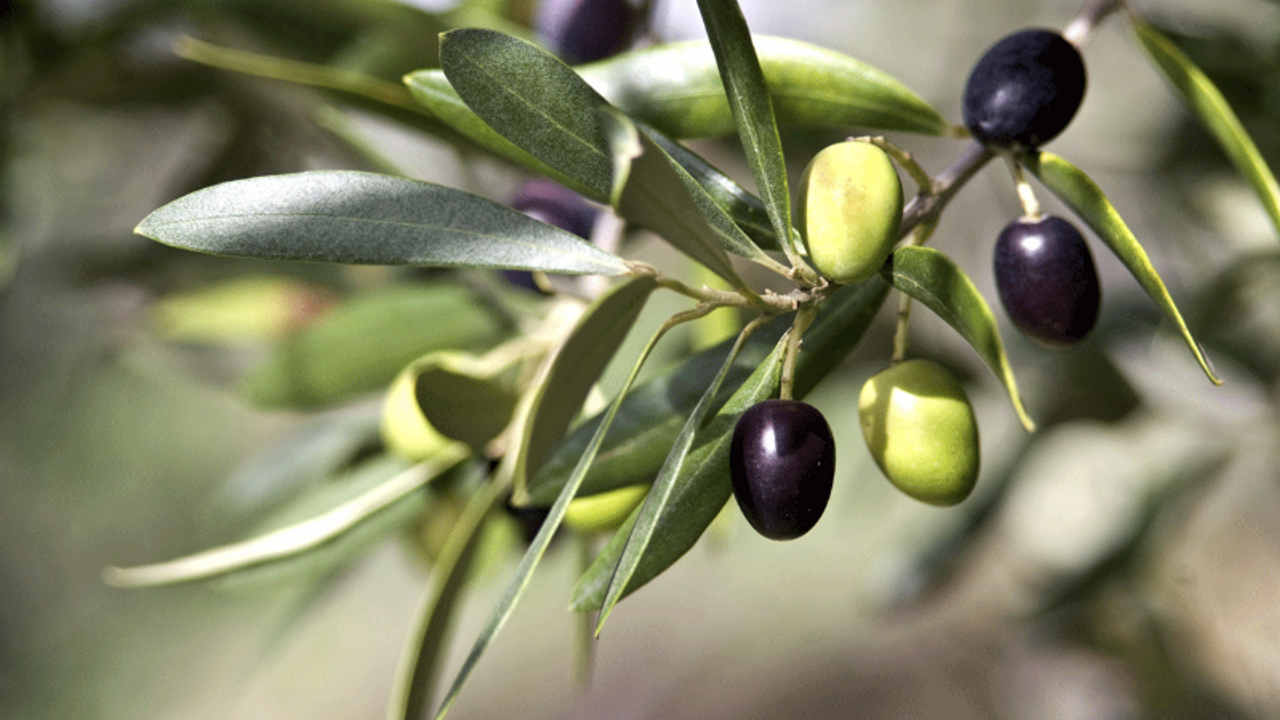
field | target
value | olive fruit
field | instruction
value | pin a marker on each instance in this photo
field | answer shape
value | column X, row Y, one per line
column 782, row 460
column 581, row 31
column 1047, row 281
column 1024, row 90
column 921, row 431
column 848, row 209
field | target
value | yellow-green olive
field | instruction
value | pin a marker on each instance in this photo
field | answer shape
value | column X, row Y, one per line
column 606, row 510
column 921, row 430
column 849, row 209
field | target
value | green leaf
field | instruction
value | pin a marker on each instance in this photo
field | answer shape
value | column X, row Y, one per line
column 658, row 194
column 932, row 278
column 649, row 421
column 1079, row 192
column 748, row 97
column 677, row 88
column 1211, row 108
column 298, row 538
column 460, row 399
column 538, row 546
column 364, row 218
column 533, row 99
column 703, row 486
column 546, row 412
column 664, row 486
column 362, row 344
column 433, row 91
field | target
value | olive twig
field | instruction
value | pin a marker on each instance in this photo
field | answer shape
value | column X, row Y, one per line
column 928, row 205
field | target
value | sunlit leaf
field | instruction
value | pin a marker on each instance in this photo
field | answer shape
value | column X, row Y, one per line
column 932, row 278
column 533, row 99
column 676, row 88
column 1079, row 192
column 748, row 98
column 1211, row 108
column 364, row 218
column 294, row 540
column 703, row 488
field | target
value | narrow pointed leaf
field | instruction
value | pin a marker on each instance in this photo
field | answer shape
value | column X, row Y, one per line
column 677, row 88
column 364, row 218
column 545, row 413
column 704, row 487
column 1079, row 192
column 664, row 486
column 533, row 99
column 660, row 194
column 748, row 97
column 538, row 546
column 1211, row 108
column 932, row 278
column 295, row 539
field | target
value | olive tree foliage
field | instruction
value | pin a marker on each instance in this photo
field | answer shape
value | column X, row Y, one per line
column 492, row 404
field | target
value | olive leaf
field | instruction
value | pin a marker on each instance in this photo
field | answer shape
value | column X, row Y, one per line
column 534, row 100
column 1079, row 192
column 748, row 98
column 365, row 218
column 545, row 412
column 363, row 343
column 299, row 538
column 676, row 88
column 648, row 185
column 1204, row 99
column 538, row 546
column 932, row 278
column 703, row 487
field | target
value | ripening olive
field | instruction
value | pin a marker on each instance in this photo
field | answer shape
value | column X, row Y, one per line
column 782, row 461
column 848, row 209
column 581, row 31
column 1047, row 281
column 1024, row 90
column 921, row 431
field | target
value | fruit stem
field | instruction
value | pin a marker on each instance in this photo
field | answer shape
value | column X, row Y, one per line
column 804, row 318
column 900, row 335
column 904, row 159
column 1080, row 30
column 1026, row 195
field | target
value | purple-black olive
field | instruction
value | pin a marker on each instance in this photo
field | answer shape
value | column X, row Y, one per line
column 582, row 31
column 1047, row 280
column 1024, row 90
column 553, row 204
column 782, row 461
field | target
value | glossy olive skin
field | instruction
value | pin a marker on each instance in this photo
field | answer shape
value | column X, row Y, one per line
column 1024, row 90
column 782, row 462
column 1047, row 281
column 582, row 31
column 849, row 208
column 921, row 431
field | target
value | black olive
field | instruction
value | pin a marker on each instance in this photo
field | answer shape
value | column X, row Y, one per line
column 782, row 462
column 1047, row 280
column 1024, row 90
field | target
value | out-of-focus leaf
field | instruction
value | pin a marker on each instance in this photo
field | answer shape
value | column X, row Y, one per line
column 460, row 400
column 394, row 484
column 660, row 195
column 677, row 88
column 748, row 96
column 365, row 218
column 240, row 310
column 649, row 420
column 1079, row 192
column 365, row 342
column 538, row 546
column 546, row 412
column 932, row 278
column 534, row 100
column 658, row 501
column 704, row 487
column 1211, row 108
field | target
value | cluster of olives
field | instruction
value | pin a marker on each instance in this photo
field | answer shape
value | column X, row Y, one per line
column 915, row 417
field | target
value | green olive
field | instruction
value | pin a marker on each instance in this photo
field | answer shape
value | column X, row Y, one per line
column 849, row 209
column 405, row 430
column 606, row 510
column 921, row 430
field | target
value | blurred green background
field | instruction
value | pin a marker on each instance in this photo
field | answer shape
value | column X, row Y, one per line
column 1123, row 562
